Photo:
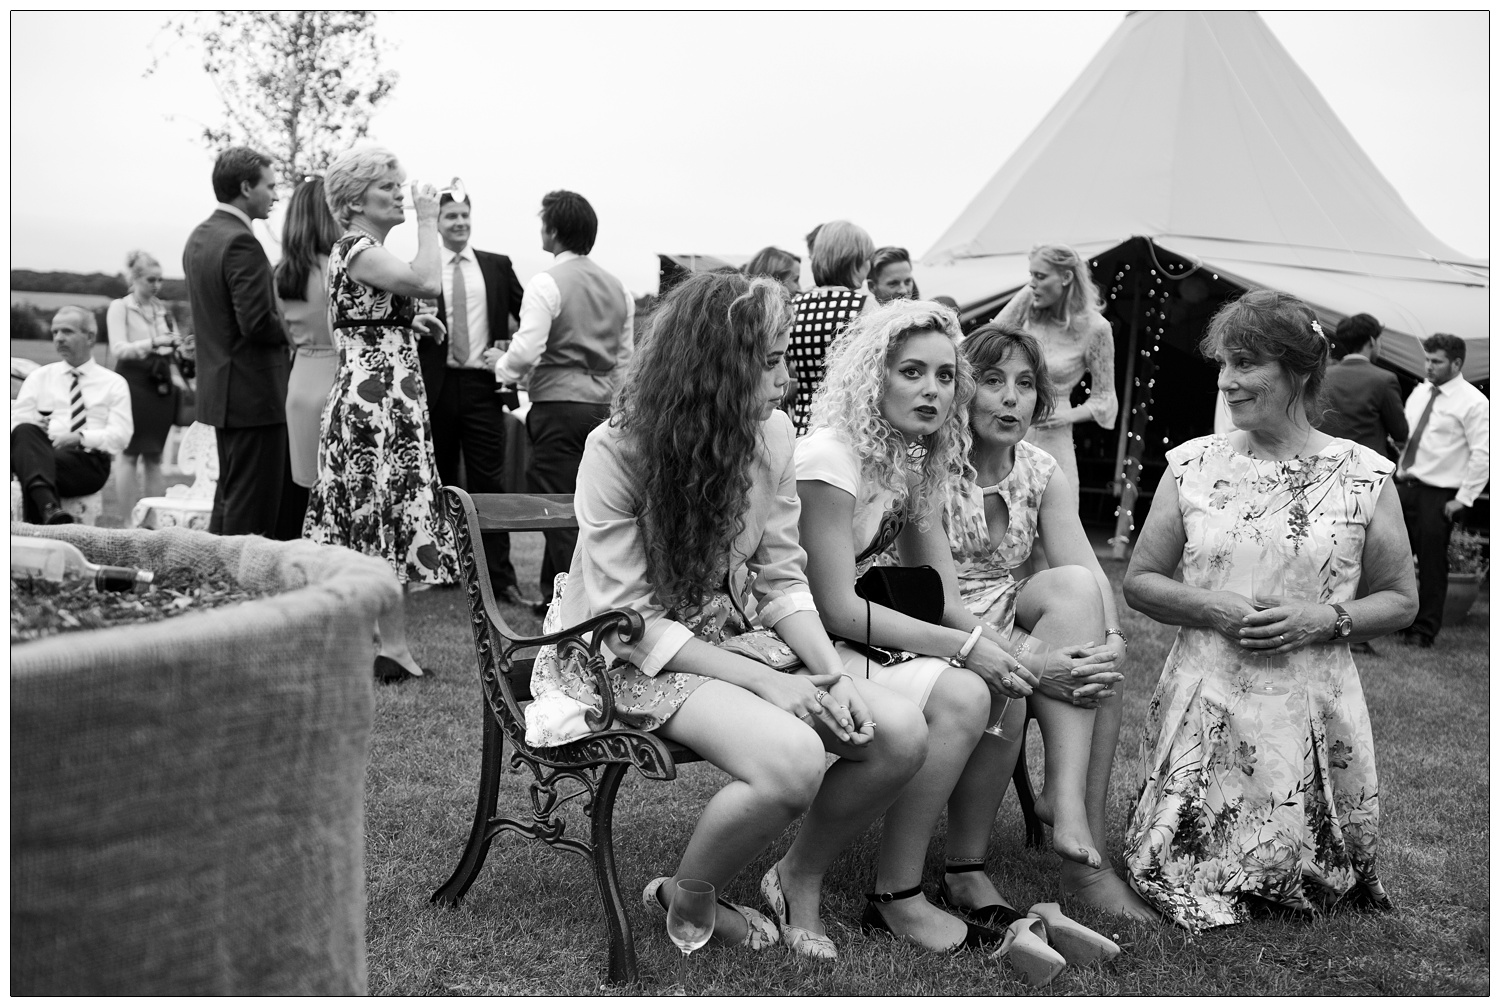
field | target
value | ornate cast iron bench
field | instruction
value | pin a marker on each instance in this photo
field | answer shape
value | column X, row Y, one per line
column 591, row 767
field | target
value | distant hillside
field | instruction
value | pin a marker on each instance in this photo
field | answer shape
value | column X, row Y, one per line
column 101, row 284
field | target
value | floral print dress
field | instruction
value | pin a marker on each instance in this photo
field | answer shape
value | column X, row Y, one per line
column 1258, row 776
column 377, row 484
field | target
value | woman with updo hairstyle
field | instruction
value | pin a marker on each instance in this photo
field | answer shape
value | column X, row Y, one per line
column 687, row 515
column 1258, row 785
column 143, row 340
column 781, row 266
column 841, row 255
column 377, row 489
column 302, row 293
column 1060, row 307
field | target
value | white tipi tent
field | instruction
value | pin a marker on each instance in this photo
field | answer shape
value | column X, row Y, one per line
column 1199, row 132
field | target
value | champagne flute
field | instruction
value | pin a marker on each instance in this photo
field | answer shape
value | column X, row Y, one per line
column 690, row 921
column 1267, row 590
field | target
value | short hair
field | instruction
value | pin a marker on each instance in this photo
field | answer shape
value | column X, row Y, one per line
column 137, row 262
column 1355, row 333
column 987, row 345
column 812, row 238
column 1270, row 325
column 1083, row 295
column 86, row 320
column 838, row 252
column 1443, row 342
column 351, row 173
column 887, row 256
column 234, row 166
column 569, row 216
column 772, row 261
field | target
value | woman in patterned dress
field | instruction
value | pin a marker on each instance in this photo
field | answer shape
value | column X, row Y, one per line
column 840, row 262
column 1060, row 622
column 1060, row 307
column 1258, row 768
column 377, row 485
column 687, row 510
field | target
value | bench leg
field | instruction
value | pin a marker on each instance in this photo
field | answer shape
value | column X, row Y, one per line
column 601, row 811
column 1035, row 838
column 491, row 769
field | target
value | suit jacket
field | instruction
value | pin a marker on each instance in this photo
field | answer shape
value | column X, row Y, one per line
column 243, row 360
column 1363, row 404
column 502, row 299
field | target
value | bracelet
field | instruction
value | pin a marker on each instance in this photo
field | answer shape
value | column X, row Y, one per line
column 1115, row 631
column 963, row 652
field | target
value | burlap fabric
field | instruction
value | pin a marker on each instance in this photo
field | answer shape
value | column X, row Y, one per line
column 187, row 797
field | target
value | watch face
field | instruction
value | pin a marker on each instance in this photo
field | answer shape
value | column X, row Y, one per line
column 1345, row 625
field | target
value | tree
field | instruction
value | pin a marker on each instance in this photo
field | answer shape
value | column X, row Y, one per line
column 298, row 86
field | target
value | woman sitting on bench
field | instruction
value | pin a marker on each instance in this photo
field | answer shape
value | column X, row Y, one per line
column 686, row 508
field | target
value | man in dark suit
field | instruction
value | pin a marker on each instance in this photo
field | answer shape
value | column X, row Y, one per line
column 481, row 295
column 1364, row 401
column 241, row 345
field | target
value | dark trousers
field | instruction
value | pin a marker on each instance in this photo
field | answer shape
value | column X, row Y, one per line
column 557, row 431
column 47, row 473
column 467, row 418
column 252, row 467
column 293, row 505
column 1428, row 529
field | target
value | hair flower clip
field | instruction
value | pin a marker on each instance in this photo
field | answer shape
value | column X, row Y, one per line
column 1319, row 330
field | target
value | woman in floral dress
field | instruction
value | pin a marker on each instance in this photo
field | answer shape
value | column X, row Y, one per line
column 377, row 485
column 1258, row 770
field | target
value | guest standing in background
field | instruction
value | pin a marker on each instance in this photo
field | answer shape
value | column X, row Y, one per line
column 377, row 487
column 1443, row 468
column 1060, row 307
column 576, row 337
column 1362, row 402
column 841, row 255
column 783, row 267
column 241, row 346
column 890, row 274
column 481, row 295
column 143, row 341
column 302, row 294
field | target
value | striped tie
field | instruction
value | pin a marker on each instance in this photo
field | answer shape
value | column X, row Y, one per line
column 75, row 404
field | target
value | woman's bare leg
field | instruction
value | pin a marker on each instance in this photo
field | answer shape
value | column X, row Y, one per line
column 153, row 484
column 391, row 630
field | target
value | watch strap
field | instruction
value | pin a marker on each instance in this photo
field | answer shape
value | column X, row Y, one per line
column 1341, row 617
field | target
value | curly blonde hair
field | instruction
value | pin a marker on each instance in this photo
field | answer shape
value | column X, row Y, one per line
column 853, row 394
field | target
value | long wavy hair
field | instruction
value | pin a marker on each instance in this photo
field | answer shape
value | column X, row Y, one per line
column 309, row 231
column 1083, row 296
column 853, row 393
column 690, row 407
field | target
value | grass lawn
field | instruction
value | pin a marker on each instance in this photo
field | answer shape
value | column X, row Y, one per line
column 532, row 924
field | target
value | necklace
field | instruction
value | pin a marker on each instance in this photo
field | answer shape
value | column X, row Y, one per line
column 356, row 229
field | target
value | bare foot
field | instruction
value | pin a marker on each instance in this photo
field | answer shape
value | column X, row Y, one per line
column 1071, row 838
column 1104, row 889
column 973, row 890
column 1042, row 805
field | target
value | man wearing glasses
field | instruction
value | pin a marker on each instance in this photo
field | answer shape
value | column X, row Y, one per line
column 242, row 349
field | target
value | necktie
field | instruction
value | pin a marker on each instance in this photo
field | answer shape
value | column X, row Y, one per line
column 1409, row 455
column 75, row 404
column 458, row 310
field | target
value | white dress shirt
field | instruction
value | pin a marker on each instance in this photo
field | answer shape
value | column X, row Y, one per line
column 46, row 396
column 542, row 303
column 474, row 300
column 1454, row 451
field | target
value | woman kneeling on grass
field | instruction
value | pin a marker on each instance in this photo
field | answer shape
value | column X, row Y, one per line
column 1020, row 501
column 686, row 503
column 889, row 433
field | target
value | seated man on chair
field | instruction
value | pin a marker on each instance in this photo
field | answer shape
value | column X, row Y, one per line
column 70, row 419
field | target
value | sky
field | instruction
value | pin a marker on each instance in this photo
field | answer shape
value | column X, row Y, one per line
column 690, row 133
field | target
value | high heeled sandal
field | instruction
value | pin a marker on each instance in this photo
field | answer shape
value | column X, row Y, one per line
column 799, row 939
column 997, row 915
column 760, row 933
column 872, row 921
column 1076, row 942
column 1025, row 949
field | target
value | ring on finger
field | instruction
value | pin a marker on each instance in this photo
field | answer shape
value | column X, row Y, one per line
column 820, row 695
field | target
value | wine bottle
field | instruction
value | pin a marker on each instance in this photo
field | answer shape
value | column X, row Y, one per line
column 55, row 560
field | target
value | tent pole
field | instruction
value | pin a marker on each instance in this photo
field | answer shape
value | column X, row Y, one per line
column 1136, row 451
column 1129, row 397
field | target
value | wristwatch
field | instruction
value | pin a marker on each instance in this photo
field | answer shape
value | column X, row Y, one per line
column 1342, row 624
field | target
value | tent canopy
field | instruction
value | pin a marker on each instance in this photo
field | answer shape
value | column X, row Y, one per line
column 1200, row 133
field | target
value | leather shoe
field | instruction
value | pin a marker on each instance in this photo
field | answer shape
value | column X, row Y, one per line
column 54, row 514
column 511, row 595
column 1414, row 639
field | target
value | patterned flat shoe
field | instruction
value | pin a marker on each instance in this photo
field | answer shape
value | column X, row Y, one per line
column 760, row 933
column 800, row 940
column 1076, row 942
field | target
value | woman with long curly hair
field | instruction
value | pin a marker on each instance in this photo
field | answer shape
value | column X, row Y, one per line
column 686, row 507
column 890, row 431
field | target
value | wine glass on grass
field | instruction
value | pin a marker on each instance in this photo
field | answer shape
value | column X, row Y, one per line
column 690, row 922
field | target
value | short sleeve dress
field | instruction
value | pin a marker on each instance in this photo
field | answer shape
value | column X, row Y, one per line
column 821, row 314
column 377, row 484
column 1258, row 774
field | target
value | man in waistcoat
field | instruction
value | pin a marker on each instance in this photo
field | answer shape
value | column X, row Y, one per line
column 576, row 336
